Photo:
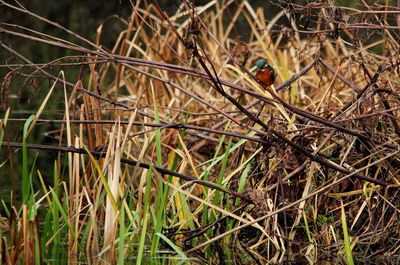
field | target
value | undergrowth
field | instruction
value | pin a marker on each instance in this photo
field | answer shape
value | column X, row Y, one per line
column 168, row 150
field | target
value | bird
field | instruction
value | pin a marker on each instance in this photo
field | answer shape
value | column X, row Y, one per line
column 266, row 74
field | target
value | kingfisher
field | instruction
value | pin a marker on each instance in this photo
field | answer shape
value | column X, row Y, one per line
column 266, row 74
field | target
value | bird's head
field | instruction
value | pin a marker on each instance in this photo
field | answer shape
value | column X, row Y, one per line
column 261, row 63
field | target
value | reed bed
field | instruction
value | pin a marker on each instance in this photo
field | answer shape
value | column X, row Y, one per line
column 168, row 150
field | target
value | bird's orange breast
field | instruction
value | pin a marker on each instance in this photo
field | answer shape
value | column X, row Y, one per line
column 264, row 77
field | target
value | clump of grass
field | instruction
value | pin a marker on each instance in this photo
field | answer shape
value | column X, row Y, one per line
column 168, row 148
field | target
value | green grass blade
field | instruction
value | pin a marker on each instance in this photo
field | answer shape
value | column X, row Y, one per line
column 4, row 124
column 307, row 228
column 347, row 245
column 172, row 245
column 122, row 236
column 242, row 181
column 61, row 210
column 26, row 181
column 145, row 216
column 103, row 179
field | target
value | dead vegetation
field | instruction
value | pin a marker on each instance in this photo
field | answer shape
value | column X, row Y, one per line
column 188, row 153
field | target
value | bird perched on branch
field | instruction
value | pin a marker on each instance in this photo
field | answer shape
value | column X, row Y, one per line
column 266, row 74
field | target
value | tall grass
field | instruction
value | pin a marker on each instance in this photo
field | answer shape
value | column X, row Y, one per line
column 170, row 151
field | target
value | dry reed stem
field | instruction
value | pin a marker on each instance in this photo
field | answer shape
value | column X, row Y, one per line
column 329, row 124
